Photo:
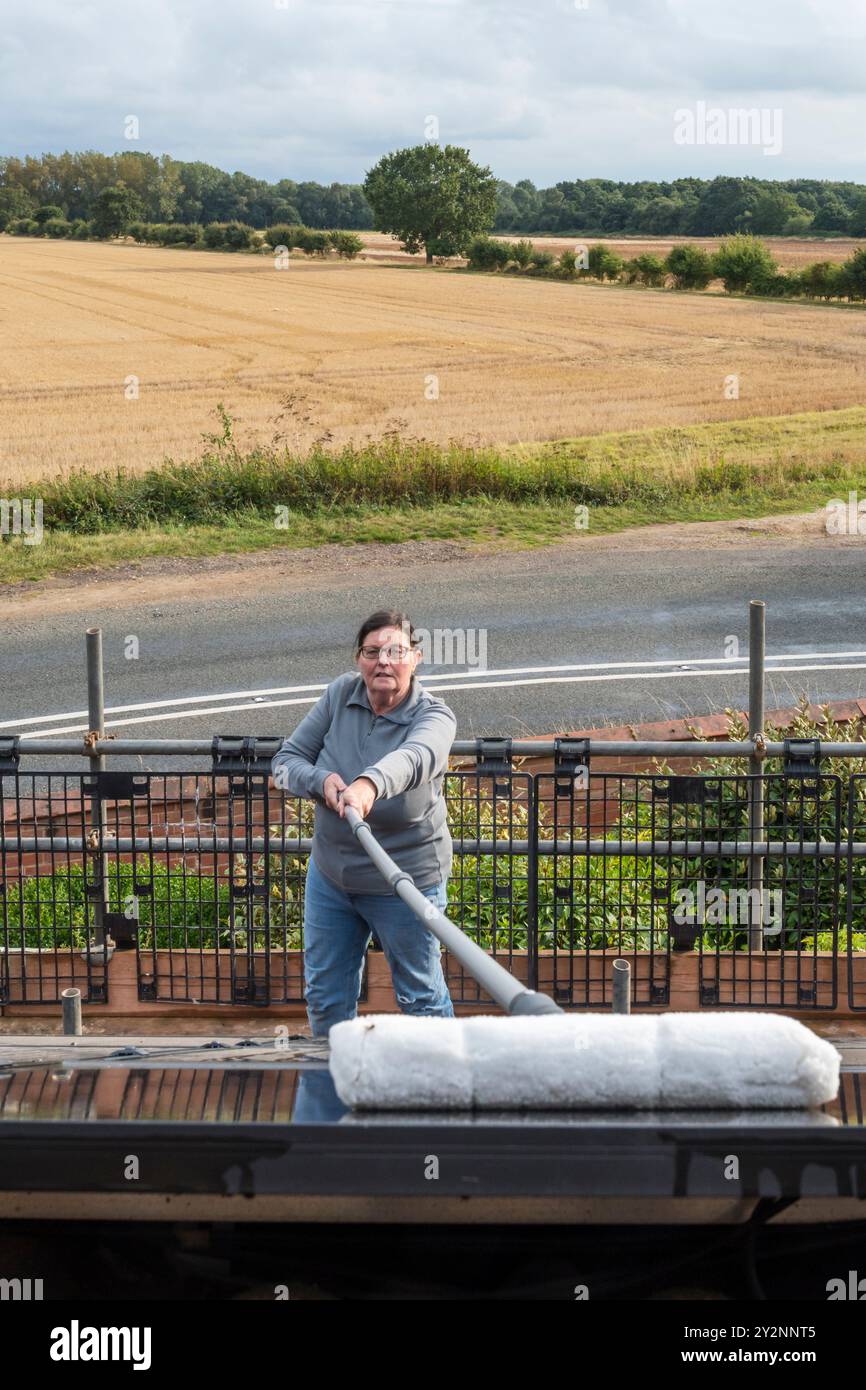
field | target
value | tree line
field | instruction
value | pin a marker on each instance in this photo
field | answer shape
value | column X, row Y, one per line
column 743, row 263
column 685, row 207
column 163, row 190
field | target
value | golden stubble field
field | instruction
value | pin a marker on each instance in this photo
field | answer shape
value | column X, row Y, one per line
column 353, row 350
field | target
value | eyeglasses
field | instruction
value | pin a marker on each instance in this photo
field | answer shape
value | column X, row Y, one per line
column 395, row 654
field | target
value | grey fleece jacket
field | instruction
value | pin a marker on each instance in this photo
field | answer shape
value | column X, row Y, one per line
column 405, row 755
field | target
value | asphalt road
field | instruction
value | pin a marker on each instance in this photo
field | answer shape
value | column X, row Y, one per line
column 605, row 616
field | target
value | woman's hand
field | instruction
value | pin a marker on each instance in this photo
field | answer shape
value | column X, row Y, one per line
column 361, row 795
column 332, row 788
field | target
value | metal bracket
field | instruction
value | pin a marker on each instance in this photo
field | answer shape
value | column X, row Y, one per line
column 115, row 786
column 570, row 763
column 121, row 929
column 493, row 754
column 248, row 989
column 96, row 736
column 9, row 754
column 570, row 755
column 685, row 791
column 683, row 934
column 802, row 757
column 492, row 757
column 245, row 753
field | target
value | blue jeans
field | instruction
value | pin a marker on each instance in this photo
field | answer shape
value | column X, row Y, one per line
column 337, row 928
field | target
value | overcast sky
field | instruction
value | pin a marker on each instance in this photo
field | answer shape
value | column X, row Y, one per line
column 540, row 89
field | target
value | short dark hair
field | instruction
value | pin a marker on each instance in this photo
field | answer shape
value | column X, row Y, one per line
column 385, row 617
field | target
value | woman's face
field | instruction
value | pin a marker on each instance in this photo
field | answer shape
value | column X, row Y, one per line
column 387, row 663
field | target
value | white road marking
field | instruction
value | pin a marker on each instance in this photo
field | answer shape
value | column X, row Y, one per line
column 606, row 669
column 452, row 676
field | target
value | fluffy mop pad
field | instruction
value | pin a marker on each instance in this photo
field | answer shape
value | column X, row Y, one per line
column 576, row 1062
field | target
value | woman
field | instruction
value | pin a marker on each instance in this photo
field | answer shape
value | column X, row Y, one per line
column 377, row 741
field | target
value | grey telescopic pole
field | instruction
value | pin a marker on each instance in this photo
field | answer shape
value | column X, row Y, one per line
column 502, row 987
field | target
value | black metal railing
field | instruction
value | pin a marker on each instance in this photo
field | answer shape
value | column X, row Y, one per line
column 556, row 873
column 855, row 886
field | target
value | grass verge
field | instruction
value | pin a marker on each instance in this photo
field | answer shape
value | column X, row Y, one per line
column 226, row 502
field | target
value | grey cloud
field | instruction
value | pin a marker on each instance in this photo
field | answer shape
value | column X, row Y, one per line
column 542, row 90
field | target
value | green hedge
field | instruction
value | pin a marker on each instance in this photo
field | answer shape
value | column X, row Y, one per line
column 743, row 263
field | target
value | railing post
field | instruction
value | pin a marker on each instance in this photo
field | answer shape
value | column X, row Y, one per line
column 71, row 1000
column 622, row 987
column 757, row 615
column 96, row 721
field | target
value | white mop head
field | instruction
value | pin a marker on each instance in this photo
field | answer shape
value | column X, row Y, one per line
column 581, row 1061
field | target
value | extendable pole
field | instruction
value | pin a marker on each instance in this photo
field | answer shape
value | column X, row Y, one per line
column 96, row 720
column 502, row 987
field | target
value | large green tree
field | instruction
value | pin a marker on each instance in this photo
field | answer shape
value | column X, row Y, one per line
column 114, row 209
column 431, row 197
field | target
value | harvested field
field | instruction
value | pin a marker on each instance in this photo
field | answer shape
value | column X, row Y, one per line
column 349, row 349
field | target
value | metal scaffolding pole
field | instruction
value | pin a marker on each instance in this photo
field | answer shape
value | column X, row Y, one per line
column 757, row 647
column 96, row 719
